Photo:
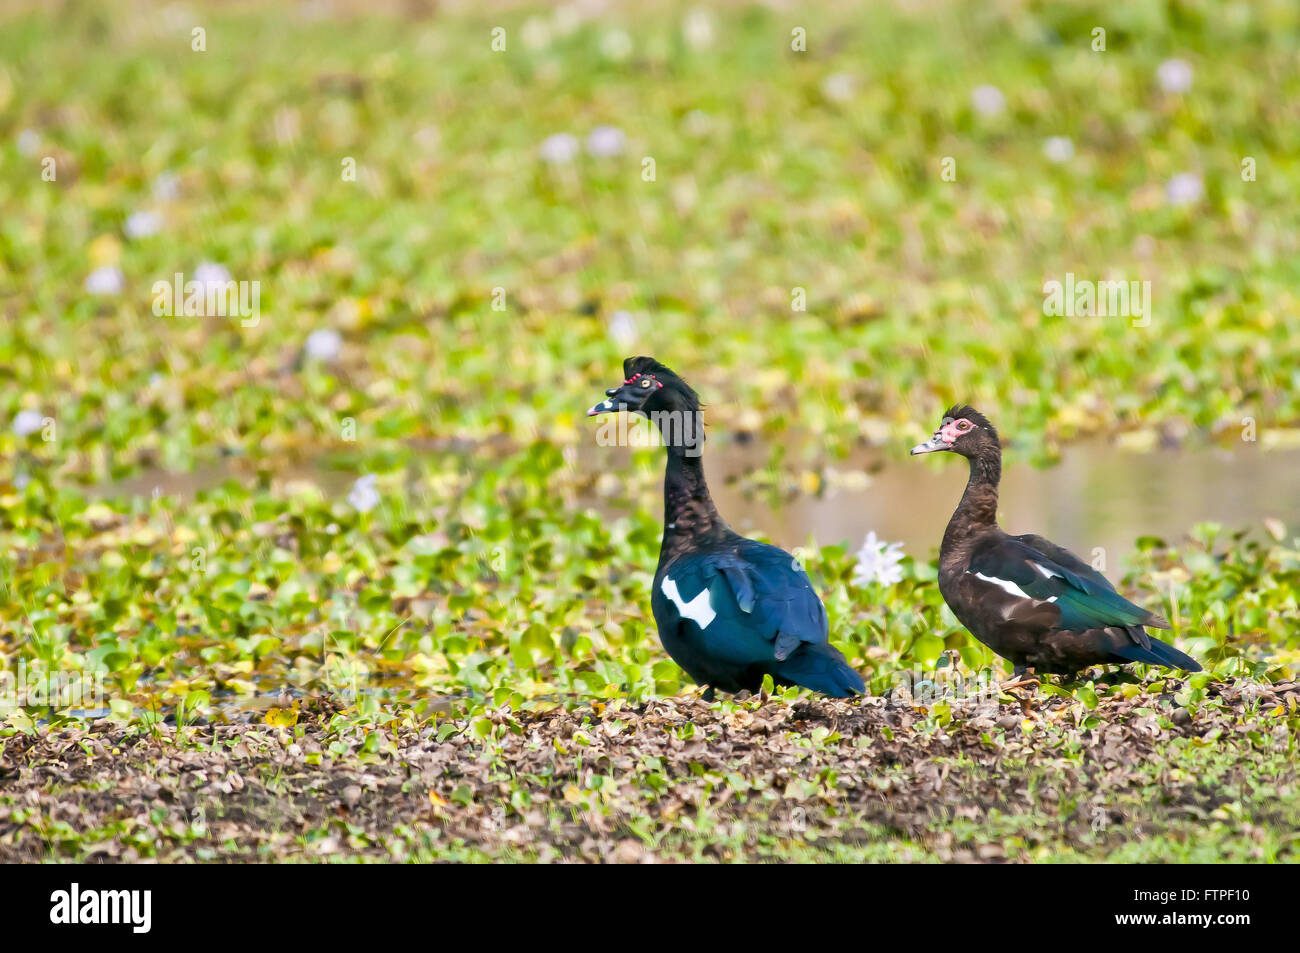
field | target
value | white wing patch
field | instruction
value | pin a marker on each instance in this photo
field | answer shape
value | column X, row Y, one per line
column 699, row 609
column 1009, row 587
column 1006, row 585
column 1044, row 571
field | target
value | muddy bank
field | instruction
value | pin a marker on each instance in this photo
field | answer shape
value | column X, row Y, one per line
column 1039, row 778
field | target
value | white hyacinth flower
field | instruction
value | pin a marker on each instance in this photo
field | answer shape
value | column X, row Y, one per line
column 1058, row 149
column 1174, row 75
column 697, row 123
column 1185, row 188
column 211, row 275
column 166, row 187
column 535, row 33
column 559, row 149
column 105, row 280
column 838, row 87
column 142, row 224
column 363, row 496
column 323, row 344
column 605, row 141
column 27, row 422
column 988, row 100
column 878, row 561
column 698, row 29
column 616, row 45
column 622, row 329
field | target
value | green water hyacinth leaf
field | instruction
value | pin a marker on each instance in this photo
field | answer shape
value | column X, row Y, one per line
column 197, row 700
column 1086, row 694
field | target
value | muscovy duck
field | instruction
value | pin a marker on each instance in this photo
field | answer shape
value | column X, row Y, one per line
column 729, row 609
column 1027, row 599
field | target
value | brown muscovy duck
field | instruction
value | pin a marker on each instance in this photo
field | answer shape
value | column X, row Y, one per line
column 1027, row 599
column 729, row 609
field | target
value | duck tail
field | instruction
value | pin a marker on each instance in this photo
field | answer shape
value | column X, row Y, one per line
column 1160, row 653
column 823, row 669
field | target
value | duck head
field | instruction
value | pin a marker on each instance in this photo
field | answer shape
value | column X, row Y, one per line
column 648, row 387
column 655, row 392
column 964, row 430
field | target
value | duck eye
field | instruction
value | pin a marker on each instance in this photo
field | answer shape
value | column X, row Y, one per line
column 645, row 382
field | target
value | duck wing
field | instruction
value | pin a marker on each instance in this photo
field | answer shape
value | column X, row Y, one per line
column 1037, row 570
column 767, row 586
column 772, row 586
column 757, row 612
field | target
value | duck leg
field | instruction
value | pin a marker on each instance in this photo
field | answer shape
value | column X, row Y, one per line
column 1021, row 677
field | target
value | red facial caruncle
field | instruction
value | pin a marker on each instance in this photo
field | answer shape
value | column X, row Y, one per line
column 950, row 430
column 650, row 377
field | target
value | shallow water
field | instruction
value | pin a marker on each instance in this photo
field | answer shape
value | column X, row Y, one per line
column 1097, row 496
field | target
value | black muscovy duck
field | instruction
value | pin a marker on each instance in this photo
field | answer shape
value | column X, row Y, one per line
column 1027, row 599
column 729, row 609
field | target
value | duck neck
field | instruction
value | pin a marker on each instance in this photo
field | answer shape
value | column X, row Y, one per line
column 689, row 513
column 978, row 509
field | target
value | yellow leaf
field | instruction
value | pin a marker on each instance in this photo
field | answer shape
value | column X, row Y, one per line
column 1138, row 441
column 562, row 428
column 749, row 419
column 1279, row 438
column 281, row 717
column 100, row 516
column 105, row 250
column 144, row 536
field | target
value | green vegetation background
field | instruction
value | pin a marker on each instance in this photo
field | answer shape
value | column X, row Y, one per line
column 484, row 577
